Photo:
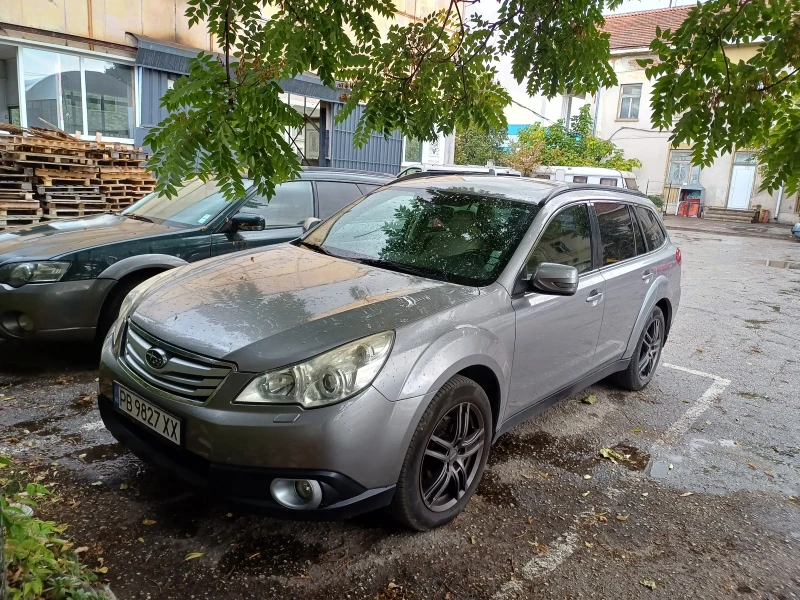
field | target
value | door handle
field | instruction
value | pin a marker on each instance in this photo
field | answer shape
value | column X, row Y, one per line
column 647, row 276
column 594, row 297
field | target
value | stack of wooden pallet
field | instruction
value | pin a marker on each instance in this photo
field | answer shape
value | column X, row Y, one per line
column 51, row 174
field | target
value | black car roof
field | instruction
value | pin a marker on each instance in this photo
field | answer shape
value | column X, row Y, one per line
column 347, row 175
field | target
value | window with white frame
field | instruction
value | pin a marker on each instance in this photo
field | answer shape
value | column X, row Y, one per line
column 78, row 94
column 629, row 98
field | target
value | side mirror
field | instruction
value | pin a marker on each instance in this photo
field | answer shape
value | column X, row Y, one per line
column 551, row 278
column 310, row 223
column 247, row 222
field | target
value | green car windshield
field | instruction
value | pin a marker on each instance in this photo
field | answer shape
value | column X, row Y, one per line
column 195, row 205
column 461, row 236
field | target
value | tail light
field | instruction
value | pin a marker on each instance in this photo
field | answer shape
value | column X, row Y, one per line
column 678, row 255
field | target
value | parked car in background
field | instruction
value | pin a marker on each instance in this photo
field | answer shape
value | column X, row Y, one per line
column 424, row 168
column 67, row 279
column 796, row 230
column 591, row 175
column 373, row 361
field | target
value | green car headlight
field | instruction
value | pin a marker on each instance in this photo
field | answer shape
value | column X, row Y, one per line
column 18, row 274
column 325, row 379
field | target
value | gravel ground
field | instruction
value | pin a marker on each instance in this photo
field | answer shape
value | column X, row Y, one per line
column 704, row 506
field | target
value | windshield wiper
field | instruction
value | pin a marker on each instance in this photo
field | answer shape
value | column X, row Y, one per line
column 139, row 217
column 394, row 266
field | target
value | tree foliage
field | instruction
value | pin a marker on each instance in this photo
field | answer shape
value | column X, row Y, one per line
column 476, row 147
column 573, row 147
column 718, row 103
column 440, row 74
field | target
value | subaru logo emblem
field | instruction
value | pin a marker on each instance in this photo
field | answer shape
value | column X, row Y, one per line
column 156, row 358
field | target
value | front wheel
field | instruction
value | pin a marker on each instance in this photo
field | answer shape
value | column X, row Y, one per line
column 446, row 457
column 645, row 358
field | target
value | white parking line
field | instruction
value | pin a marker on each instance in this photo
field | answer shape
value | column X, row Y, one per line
column 701, row 405
column 541, row 564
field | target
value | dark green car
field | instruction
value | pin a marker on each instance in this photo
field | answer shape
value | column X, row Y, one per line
column 65, row 280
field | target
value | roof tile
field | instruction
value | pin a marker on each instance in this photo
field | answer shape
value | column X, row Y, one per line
column 638, row 29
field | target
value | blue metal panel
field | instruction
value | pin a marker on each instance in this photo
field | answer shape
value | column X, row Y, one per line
column 379, row 154
column 152, row 86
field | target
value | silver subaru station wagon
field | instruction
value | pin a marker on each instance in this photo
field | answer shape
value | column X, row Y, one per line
column 373, row 361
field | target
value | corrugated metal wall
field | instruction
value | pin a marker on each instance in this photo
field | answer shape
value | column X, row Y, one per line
column 153, row 85
column 379, row 154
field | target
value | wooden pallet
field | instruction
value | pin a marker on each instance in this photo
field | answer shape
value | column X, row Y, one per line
column 74, row 209
column 72, row 198
column 6, row 222
column 67, row 189
column 15, row 195
column 14, row 184
column 20, row 209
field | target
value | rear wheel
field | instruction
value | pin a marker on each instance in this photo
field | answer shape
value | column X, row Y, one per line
column 446, row 457
column 645, row 358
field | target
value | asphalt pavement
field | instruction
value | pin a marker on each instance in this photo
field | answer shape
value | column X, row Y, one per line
column 700, row 501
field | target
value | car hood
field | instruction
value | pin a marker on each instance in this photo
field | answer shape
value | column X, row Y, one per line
column 59, row 238
column 285, row 304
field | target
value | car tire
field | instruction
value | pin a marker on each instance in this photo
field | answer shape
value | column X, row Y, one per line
column 113, row 303
column 645, row 358
column 444, row 462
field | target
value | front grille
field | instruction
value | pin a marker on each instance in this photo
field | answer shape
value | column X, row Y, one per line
column 184, row 375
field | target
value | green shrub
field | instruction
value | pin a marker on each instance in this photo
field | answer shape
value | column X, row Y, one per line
column 39, row 562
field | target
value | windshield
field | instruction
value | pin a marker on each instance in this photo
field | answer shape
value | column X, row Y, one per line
column 453, row 235
column 196, row 204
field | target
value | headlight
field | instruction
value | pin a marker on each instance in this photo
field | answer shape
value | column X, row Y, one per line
column 324, row 379
column 18, row 274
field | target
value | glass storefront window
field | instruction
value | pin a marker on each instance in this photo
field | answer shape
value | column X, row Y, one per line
column 78, row 94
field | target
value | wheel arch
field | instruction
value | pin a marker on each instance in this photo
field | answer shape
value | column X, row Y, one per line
column 657, row 295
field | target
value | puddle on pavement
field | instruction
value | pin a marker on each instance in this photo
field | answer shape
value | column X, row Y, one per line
column 566, row 453
column 753, row 396
column 269, row 555
column 635, row 459
column 40, row 427
column 495, row 492
column 100, row 453
column 783, row 264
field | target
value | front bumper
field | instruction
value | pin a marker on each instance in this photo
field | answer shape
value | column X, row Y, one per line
column 248, row 487
column 63, row 310
column 362, row 441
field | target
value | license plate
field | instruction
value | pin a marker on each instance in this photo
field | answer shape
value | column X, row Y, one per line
column 147, row 414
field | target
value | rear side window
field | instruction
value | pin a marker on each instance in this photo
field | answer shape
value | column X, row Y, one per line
column 292, row 204
column 641, row 248
column 366, row 188
column 616, row 231
column 334, row 195
column 651, row 225
column 579, row 179
column 631, row 184
column 612, row 181
column 566, row 241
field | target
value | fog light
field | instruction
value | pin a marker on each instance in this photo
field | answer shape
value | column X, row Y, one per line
column 298, row 494
column 25, row 323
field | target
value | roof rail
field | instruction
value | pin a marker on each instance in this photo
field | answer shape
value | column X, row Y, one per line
column 567, row 187
column 424, row 174
column 345, row 170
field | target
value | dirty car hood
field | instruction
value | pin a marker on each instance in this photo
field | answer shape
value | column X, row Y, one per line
column 59, row 238
column 274, row 307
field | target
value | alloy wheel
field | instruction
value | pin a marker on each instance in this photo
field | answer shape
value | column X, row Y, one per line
column 452, row 457
column 651, row 347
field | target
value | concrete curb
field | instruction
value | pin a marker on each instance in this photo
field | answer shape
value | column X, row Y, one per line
column 768, row 236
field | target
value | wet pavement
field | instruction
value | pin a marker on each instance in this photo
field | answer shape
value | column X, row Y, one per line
column 700, row 499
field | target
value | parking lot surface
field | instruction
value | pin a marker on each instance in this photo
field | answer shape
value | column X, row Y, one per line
column 701, row 499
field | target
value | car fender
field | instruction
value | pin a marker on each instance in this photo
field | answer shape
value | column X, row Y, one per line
column 143, row 261
column 657, row 291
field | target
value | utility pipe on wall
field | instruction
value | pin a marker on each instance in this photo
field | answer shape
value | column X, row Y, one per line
column 778, row 203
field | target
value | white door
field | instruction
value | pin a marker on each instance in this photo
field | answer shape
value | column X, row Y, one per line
column 741, row 188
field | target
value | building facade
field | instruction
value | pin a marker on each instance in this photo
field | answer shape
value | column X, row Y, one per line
column 623, row 116
column 94, row 67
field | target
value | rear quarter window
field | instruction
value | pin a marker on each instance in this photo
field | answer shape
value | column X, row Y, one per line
column 651, row 227
column 611, row 181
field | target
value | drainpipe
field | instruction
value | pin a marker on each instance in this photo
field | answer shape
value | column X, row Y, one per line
column 778, row 203
column 596, row 111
